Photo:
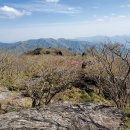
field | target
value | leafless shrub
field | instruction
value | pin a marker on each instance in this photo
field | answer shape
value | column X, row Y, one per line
column 114, row 73
column 52, row 81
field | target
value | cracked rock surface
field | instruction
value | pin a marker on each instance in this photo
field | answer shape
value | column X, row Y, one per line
column 64, row 117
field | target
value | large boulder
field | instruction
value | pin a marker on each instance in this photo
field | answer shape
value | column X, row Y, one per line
column 64, row 117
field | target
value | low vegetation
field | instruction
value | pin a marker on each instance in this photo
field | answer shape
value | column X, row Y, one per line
column 54, row 75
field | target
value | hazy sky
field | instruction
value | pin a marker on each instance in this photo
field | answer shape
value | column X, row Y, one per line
column 25, row 19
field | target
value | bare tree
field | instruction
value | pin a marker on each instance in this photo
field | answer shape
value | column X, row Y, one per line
column 51, row 82
column 114, row 77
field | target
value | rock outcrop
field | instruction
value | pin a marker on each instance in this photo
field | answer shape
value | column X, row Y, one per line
column 64, row 117
column 51, row 51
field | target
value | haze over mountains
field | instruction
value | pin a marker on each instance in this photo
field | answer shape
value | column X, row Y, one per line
column 123, row 39
column 75, row 45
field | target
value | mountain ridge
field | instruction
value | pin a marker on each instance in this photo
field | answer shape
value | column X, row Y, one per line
column 76, row 45
column 24, row 46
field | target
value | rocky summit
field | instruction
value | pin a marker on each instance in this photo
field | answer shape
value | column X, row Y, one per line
column 64, row 117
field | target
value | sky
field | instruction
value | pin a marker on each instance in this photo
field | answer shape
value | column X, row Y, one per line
column 32, row 19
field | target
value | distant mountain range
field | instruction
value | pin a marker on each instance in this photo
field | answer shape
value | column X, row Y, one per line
column 75, row 45
column 123, row 39
column 25, row 46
